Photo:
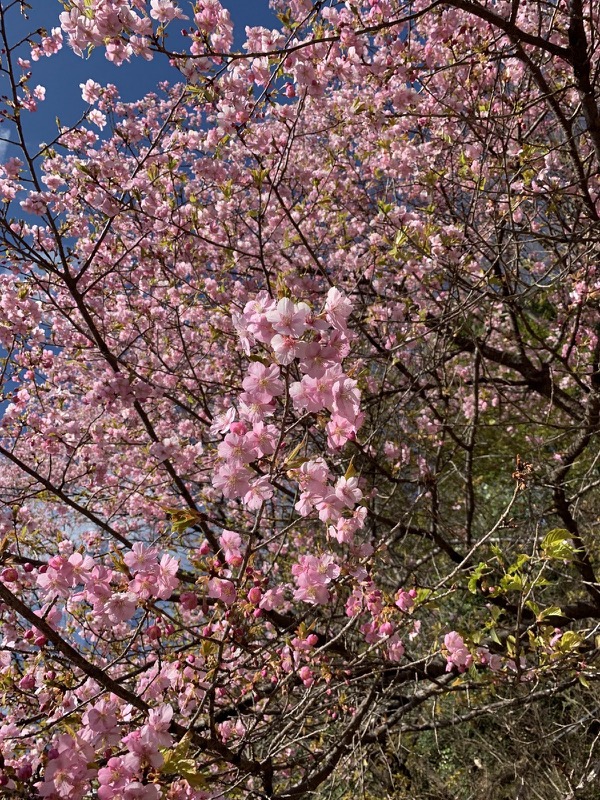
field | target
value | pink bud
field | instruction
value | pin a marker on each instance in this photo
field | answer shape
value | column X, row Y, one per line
column 9, row 575
column 27, row 682
column 153, row 632
column 24, row 772
column 306, row 676
column 255, row 595
column 238, row 428
column 189, row 600
column 233, row 558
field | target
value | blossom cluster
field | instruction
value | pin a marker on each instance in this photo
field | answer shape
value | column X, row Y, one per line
column 113, row 601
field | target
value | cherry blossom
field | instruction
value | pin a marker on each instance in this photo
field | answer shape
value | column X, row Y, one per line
column 299, row 359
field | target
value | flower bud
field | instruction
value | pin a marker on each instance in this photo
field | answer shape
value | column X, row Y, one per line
column 153, row 632
column 9, row 575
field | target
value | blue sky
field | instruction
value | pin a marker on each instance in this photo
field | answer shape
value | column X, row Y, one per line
column 62, row 74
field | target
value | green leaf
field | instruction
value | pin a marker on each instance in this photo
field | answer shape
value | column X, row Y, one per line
column 557, row 544
column 551, row 611
column 521, row 560
column 511, row 583
column 498, row 553
column 494, row 636
column 290, row 459
column 480, row 570
column 176, row 762
column 182, row 519
column 351, row 471
column 533, row 607
column 569, row 641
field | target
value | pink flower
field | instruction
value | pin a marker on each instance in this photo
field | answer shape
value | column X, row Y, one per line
column 113, row 777
column 306, row 676
column 164, row 10
column 223, row 590
column 100, row 718
column 80, row 566
column 284, row 348
column 231, row 544
column 272, row 598
column 262, row 380
column 57, row 579
column 329, row 507
column 457, row 653
column 141, row 791
column 141, row 558
column 97, row 585
column 395, row 649
column 260, row 490
column 488, row 659
column 346, row 398
column 346, row 489
column 144, row 585
column 143, row 747
column 230, row 540
column 233, row 480
column 221, row 423
column 239, row 449
column 167, row 576
column 305, row 394
column 189, row 600
column 313, row 575
column 337, row 309
column 121, row 607
column 314, row 476
column 263, row 438
column 315, row 358
column 156, row 732
column 67, row 774
column 254, row 409
column 90, row 91
column 245, row 337
column 339, row 431
column 289, row 319
column 405, row 600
